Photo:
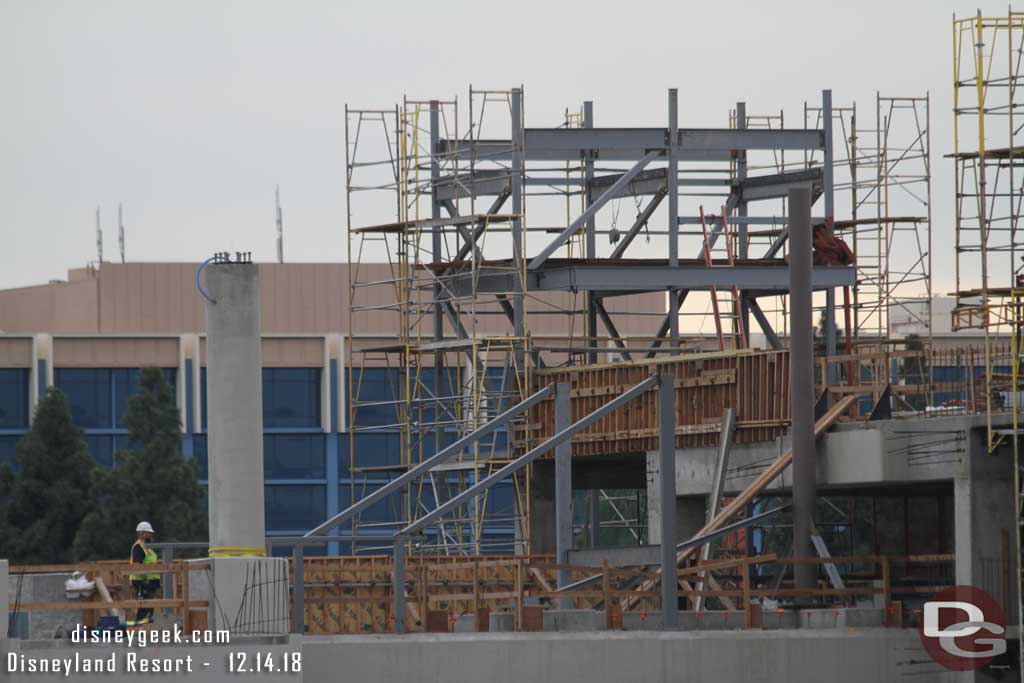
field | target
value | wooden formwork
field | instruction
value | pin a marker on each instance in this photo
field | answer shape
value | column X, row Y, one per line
column 354, row 594
column 754, row 384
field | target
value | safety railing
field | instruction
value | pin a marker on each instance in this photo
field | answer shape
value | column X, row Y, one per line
column 111, row 585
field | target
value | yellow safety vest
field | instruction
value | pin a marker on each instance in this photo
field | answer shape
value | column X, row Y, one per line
column 150, row 558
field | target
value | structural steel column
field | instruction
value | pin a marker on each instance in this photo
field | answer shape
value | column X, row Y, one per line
column 590, row 235
column 235, row 408
column 594, row 515
column 673, row 207
column 299, row 589
column 437, row 256
column 563, row 485
column 518, row 322
column 829, row 191
column 801, row 391
column 743, row 239
column 667, row 492
column 398, row 584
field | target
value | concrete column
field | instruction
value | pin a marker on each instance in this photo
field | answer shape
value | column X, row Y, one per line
column 235, row 406
column 983, row 510
column 802, row 381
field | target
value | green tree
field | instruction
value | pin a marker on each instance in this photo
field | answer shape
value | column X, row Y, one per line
column 45, row 501
column 152, row 481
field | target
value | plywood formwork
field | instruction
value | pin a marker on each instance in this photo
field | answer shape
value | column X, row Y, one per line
column 754, row 384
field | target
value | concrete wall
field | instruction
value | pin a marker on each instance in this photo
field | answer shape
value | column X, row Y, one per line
column 839, row 656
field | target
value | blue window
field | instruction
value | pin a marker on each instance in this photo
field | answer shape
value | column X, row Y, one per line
column 99, row 396
column 388, row 510
column 13, row 398
column 200, row 453
column 291, row 397
column 294, row 507
column 89, row 392
column 294, row 456
column 312, row 550
column 202, row 396
column 8, row 448
column 379, row 388
column 372, row 449
column 501, row 502
column 101, row 447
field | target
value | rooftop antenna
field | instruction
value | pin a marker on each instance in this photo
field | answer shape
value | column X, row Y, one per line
column 280, row 224
column 120, row 232
column 99, row 237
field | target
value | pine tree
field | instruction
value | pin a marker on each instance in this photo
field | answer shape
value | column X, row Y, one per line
column 45, row 501
column 151, row 481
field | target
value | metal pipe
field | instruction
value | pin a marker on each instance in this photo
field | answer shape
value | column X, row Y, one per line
column 802, row 382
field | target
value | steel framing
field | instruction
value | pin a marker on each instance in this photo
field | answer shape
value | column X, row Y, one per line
column 455, row 269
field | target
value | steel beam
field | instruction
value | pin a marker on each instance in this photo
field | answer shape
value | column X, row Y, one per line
column 563, row 484
column 673, row 210
column 612, row 330
column 667, row 491
column 777, row 186
column 590, row 232
column 432, row 462
column 531, row 455
column 518, row 241
column 611, row 193
column 801, row 359
column 644, row 278
column 762, row 321
column 298, row 591
column 631, row 144
column 692, row 543
column 620, row 278
column 398, row 584
column 725, row 438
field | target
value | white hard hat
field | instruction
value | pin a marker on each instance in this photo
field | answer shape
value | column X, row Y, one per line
column 144, row 526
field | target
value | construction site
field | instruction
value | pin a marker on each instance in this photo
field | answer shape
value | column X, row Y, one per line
column 729, row 434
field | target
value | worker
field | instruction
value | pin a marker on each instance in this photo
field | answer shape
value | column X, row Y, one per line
column 145, row 586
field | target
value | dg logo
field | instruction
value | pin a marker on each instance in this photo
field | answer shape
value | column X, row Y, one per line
column 963, row 628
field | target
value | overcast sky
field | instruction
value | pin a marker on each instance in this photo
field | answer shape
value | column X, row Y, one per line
column 190, row 112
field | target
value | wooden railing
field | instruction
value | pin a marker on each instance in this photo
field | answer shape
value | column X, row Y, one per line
column 112, row 580
column 353, row 595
